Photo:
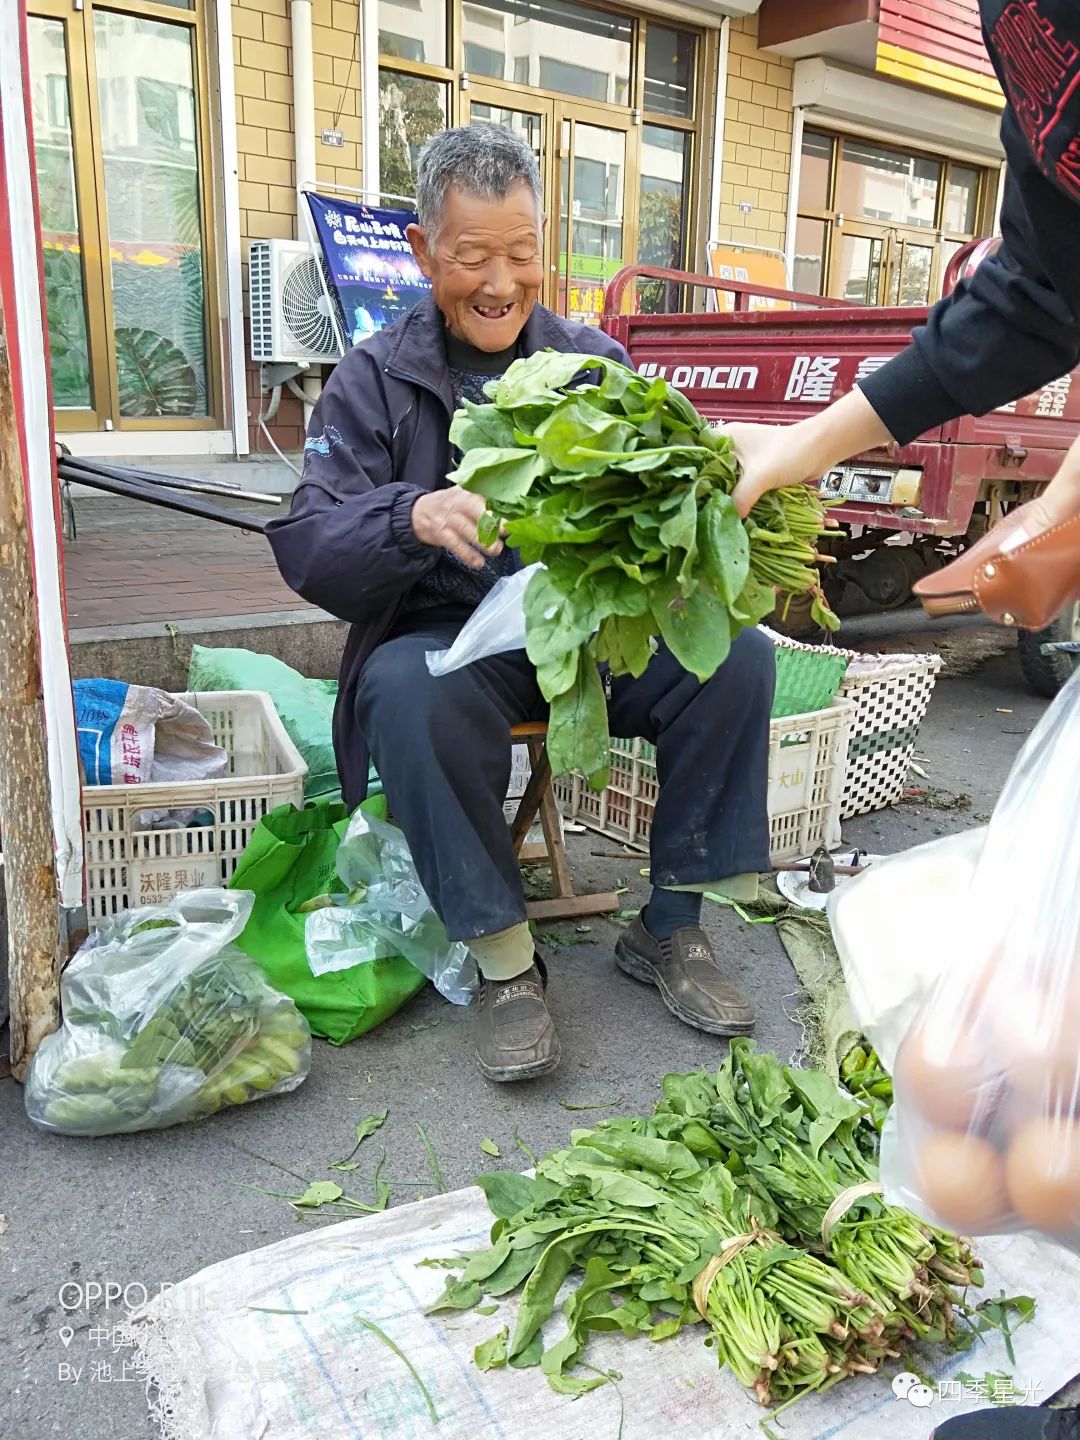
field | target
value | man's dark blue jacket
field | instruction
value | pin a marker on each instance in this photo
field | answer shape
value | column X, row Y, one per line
column 379, row 437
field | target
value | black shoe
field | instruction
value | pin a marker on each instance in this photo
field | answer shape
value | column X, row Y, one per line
column 692, row 982
column 515, row 1035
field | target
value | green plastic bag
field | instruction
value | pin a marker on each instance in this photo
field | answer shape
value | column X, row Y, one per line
column 306, row 707
column 289, row 860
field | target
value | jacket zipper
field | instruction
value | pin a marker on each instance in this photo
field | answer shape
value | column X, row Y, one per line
column 423, row 384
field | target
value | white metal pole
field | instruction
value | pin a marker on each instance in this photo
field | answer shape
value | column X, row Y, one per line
column 234, row 282
column 722, row 52
column 303, row 101
column 793, row 194
column 27, row 338
column 369, row 97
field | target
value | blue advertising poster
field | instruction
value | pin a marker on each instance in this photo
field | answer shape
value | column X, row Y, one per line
column 371, row 266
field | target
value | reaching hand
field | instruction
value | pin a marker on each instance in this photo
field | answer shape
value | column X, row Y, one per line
column 447, row 519
column 772, row 456
column 768, row 460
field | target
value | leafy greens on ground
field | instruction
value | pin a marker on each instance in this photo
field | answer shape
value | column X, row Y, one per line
column 747, row 1202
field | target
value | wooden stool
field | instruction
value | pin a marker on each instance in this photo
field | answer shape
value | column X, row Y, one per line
column 539, row 798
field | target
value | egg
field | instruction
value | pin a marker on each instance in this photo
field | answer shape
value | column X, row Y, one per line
column 950, row 1077
column 1042, row 1172
column 961, row 1178
column 1038, row 1039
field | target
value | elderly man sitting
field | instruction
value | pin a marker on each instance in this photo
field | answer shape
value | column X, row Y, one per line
column 378, row 535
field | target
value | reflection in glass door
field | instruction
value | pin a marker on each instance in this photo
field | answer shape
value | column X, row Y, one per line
column 592, row 215
column 153, row 213
column 858, row 266
column 533, row 124
column 64, row 249
column 911, row 270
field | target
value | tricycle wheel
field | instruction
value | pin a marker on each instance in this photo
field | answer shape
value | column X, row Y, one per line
column 1046, row 674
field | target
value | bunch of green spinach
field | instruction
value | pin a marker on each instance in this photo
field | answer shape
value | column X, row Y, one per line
column 713, row 1210
column 623, row 491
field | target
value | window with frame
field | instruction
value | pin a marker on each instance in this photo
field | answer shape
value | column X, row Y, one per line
column 878, row 224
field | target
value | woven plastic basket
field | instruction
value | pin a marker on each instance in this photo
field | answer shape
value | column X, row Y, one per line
column 890, row 694
column 806, row 778
column 128, row 863
column 890, row 702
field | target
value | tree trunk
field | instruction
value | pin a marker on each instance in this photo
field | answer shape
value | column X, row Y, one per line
column 25, row 810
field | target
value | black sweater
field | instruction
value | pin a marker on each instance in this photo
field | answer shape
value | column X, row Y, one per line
column 1015, row 325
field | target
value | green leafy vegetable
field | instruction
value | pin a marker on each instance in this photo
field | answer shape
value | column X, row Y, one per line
column 382, row 1335
column 623, row 490
column 433, row 1160
column 367, row 1126
column 720, row 1209
column 491, row 1355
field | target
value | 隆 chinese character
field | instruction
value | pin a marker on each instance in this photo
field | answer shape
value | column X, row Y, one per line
column 812, row 379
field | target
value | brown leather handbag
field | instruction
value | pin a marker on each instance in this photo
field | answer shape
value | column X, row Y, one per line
column 1026, row 587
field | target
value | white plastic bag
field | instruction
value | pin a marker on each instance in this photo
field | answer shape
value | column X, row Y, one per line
column 984, row 1135
column 387, row 912
column 165, row 1020
column 495, row 626
column 888, row 925
column 135, row 734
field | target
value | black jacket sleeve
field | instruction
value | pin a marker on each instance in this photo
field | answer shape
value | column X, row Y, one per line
column 999, row 335
column 347, row 543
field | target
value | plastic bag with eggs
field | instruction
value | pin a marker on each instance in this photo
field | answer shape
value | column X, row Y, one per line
column 984, row 1134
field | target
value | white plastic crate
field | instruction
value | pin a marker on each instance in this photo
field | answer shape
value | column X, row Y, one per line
column 127, row 865
column 806, row 778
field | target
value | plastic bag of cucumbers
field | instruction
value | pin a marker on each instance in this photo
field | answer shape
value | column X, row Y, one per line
column 165, row 1020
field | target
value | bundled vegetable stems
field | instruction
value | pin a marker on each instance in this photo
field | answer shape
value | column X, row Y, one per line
column 748, row 1200
column 623, row 491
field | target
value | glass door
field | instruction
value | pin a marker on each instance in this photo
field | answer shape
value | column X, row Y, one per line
column 859, row 264
column 120, row 124
column 911, row 270
column 534, row 122
column 595, row 237
column 74, row 300
column 584, row 159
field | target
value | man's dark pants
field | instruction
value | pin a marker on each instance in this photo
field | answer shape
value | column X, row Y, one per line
column 442, row 749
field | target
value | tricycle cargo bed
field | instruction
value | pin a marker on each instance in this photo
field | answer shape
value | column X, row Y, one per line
column 780, row 364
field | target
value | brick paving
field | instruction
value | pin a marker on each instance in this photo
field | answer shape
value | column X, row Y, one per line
column 134, row 563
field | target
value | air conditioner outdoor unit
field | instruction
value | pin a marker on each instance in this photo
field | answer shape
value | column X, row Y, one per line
column 290, row 315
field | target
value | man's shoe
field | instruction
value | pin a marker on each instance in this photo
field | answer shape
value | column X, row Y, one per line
column 515, row 1035
column 692, row 983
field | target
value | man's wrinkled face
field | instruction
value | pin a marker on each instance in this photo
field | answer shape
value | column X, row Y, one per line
column 485, row 264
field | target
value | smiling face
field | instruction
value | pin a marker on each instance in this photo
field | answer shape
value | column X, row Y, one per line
column 485, row 264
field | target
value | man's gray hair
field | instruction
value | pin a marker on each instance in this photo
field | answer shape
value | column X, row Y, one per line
column 487, row 161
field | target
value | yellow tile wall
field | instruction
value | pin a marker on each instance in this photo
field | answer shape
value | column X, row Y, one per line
column 266, row 153
column 264, row 112
column 757, row 141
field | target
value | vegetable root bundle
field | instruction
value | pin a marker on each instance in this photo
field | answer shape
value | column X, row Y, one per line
column 623, row 491
column 747, row 1201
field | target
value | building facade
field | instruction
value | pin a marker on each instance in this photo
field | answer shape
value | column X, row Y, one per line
column 839, row 145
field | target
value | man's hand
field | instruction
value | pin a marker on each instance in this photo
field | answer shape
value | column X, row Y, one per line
column 447, row 519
